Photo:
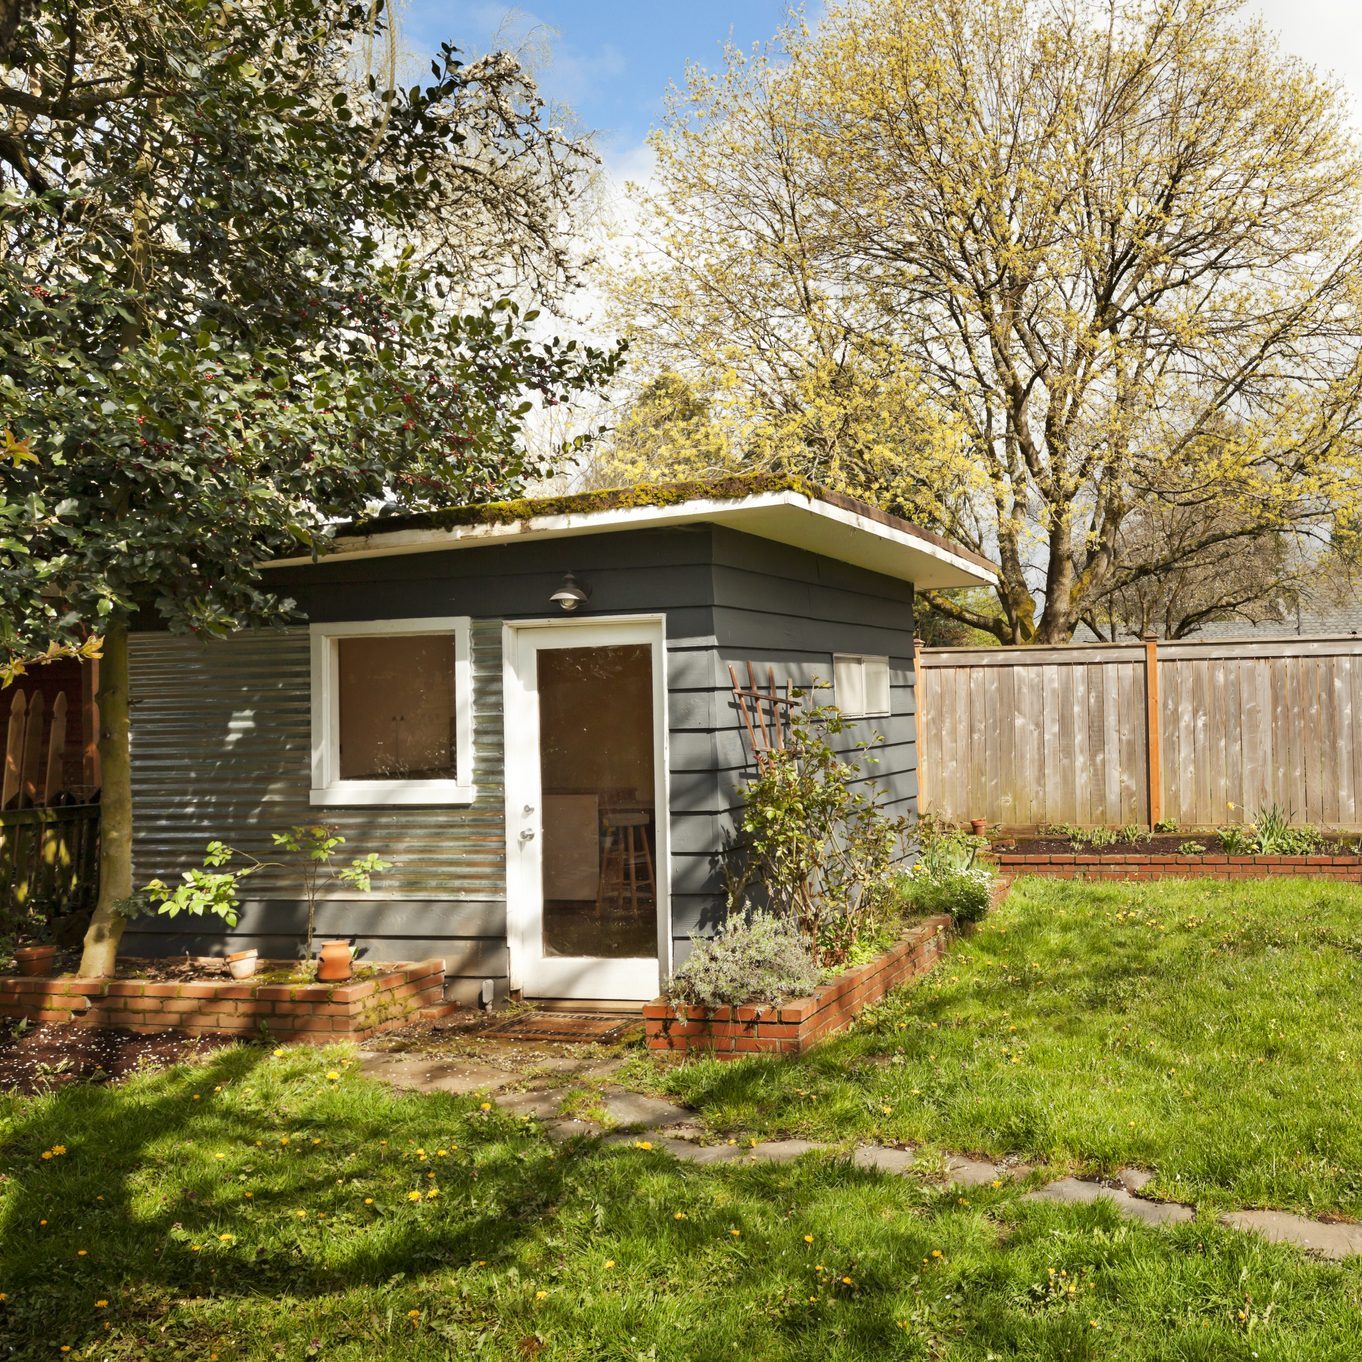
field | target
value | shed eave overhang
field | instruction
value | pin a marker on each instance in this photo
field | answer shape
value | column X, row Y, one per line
column 834, row 531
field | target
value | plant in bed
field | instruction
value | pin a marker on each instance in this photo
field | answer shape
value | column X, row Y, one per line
column 753, row 958
column 947, row 877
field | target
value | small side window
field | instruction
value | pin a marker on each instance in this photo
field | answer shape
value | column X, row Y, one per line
column 860, row 685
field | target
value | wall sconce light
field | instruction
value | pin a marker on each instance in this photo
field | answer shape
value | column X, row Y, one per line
column 571, row 594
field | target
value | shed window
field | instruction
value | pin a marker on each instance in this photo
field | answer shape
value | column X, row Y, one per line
column 860, row 685
column 391, row 713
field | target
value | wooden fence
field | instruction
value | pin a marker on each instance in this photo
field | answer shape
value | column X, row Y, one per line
column 49, row 833
column 1201, row 733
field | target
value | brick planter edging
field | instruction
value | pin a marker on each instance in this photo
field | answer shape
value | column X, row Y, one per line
column 316, row 1013
column 1134, row 865
column 790, row 1028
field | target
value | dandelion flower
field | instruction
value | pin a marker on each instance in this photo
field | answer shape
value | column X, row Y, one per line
column 432, row 1194
column 333, row 1075
column 368, row 1201
column 59, row 1149
column 643, row 1144
column 81, row 1253
column 486, row 1106
column 225, row 1238
column 413, row 1196
column 413, row 1314
column 936, row 1253
column 737, row 1234
column 808, row 1239
column 219, row 1156
column 609, row 1263
column 680, row 1215
column 846, row 1281
column 99, row 1305
column 540, row 1295
column 279, row 1054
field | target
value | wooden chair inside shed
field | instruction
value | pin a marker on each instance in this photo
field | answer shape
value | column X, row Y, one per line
column 627, row 873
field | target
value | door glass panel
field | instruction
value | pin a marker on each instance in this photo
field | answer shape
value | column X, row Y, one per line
column 599, row 821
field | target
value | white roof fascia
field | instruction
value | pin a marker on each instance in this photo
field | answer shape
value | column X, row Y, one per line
column 787, row 517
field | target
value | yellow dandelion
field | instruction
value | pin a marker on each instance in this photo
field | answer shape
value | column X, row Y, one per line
column 486, row 1106
column 197, row 1097
column 643, row 1144
column 936, row 1253
column 283, row 1139
column 540, row 1295
column 737, row 1234
column 609, row 1263
column 368, row 1201
column 81, row 1253
column 225, row 1238
column 302, row 1215
column 846, row 1281
column 680, row 1215
column 441, row 1153
column 99, row 1305
column 333, row 1075
column 413, row 1314
column 413, row 1196
column 219, row 1156
column 248, row 1195
column 808, row 1239
column 47, row 1153
column 432, row 1194
column 279, row 1054
column 59, row 1149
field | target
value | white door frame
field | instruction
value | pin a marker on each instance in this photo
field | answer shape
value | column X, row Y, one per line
column 587, row 977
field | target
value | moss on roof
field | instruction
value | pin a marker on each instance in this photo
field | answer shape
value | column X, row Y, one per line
column 733, row 488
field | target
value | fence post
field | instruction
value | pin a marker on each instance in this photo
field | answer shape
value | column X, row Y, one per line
column 918, row 724
column 1153, row 747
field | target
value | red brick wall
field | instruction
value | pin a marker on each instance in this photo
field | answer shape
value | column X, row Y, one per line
column 1134, row 865
column 790, row 1028
column 317, row 1013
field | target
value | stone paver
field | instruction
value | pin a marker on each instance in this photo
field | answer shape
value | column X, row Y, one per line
column 962, row 1172
column 535, row 1102
column 781, row 1151
column 1074, row 1191
column 1134, row 1180
column 634, row 1110
column 435, row 1075
column 1281, row 1227
column 883, row 1160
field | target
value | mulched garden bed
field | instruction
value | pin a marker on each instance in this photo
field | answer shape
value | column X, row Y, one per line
column 38, row 1058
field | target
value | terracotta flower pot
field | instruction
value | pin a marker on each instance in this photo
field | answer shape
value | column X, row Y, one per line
column 978, row 826
column 35, row 960
column 333, row 961
column 242, row 964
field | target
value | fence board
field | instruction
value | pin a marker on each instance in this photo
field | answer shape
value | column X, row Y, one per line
column 1024, row 736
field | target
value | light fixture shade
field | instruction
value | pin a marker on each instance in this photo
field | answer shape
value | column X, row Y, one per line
column 571, row 594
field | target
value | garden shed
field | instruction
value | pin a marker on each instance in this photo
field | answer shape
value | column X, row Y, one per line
column 527, row 708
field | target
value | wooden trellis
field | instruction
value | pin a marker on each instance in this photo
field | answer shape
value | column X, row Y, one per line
column 765, row 713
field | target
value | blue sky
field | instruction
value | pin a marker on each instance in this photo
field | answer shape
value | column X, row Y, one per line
column 610, row 60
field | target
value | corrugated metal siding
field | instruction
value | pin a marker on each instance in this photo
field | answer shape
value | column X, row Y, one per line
column 221, row 738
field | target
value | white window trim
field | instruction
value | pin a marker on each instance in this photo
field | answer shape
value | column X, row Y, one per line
column 327, row 786
column 863, row 658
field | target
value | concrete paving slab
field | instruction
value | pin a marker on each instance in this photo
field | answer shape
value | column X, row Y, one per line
column 963, row 1172
column 1282, row 1227
column 1075, row 1191
column 883, row 1160
column 434, row 1075
column 535, row 1102
column 1134, row 1180
column 637, row 1111
column 781, row 1151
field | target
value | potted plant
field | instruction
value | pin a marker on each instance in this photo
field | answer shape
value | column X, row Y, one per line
column 334, row 962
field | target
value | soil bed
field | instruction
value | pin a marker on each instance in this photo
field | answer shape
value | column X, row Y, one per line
column 1161, row 844
column 38, row 1058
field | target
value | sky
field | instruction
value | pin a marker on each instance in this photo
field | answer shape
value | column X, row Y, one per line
column 611, row 60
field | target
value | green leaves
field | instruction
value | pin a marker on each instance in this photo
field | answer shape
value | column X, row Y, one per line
column 225, row 331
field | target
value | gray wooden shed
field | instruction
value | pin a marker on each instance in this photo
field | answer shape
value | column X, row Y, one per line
column 526, row 707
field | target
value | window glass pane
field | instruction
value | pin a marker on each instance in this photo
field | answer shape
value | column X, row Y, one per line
column 877, row 685
column 596, row 742
column 849, row 685
column 396, row 707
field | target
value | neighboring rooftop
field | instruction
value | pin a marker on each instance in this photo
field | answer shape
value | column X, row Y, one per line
column 784, row 509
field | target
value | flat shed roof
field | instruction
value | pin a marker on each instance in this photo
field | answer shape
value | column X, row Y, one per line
column 791, row 512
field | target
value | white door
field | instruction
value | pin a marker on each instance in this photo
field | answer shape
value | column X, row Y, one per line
column 586, row 808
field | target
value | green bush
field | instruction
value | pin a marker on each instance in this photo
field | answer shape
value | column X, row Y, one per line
column 964, row 894
column 947, row 877
column 754, row 958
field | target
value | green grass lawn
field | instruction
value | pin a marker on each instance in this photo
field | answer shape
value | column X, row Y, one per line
column 1210, row 1032
column 255, row 1207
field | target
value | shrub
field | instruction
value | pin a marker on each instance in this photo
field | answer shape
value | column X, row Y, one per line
column 947, row 877
column 816, row 840
column 754, row 958
column 964, row 894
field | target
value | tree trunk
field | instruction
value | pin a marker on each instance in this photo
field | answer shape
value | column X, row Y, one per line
column 115, row 807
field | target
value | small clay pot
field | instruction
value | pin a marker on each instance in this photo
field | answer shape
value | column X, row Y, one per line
column 35, row 960
column 978, row 826
column 333, row 961
column 242, row 964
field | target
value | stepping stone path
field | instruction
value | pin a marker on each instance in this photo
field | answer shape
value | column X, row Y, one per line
column 633, row 1118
